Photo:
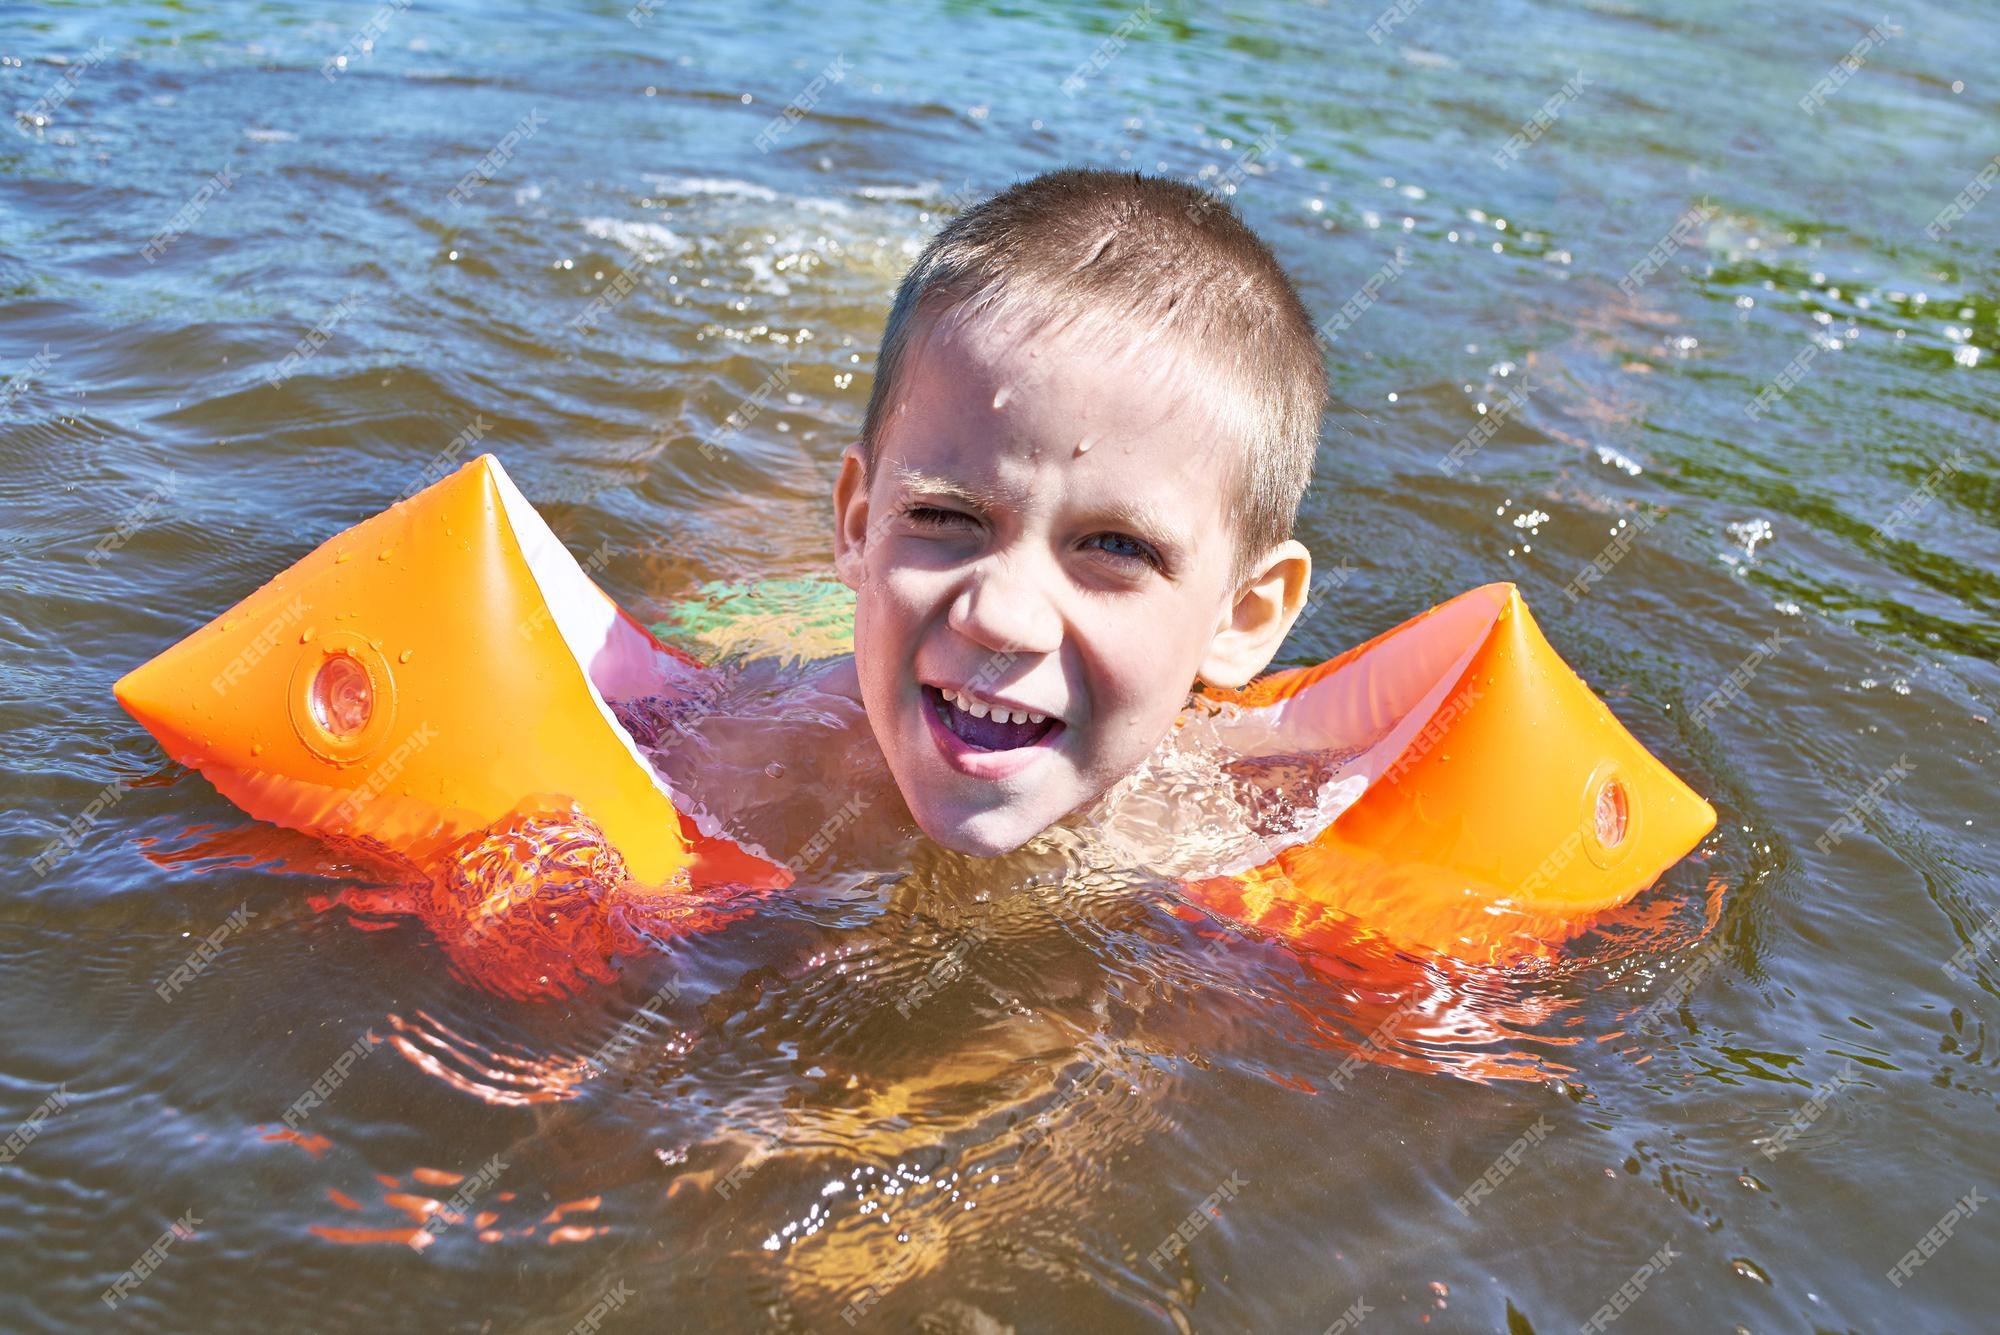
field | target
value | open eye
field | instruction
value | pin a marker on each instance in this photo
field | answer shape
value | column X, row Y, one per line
column 1124, row 547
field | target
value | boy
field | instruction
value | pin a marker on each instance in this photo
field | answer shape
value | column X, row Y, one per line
column 1094, row 414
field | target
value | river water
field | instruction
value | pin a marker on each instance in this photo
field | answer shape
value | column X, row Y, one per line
column 1796, row 408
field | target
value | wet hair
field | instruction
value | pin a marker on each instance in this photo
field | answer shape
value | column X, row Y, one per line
column 1134, row 260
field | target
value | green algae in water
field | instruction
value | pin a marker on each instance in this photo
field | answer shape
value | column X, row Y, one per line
column 805, row 619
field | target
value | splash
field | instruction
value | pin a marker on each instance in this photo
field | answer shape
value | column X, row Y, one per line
column 541, row 907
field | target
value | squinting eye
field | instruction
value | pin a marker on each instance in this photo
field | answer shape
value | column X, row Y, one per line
column 1124, row 547
column 931, row 516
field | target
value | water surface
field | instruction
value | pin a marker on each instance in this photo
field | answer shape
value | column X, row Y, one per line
column 789, row 1142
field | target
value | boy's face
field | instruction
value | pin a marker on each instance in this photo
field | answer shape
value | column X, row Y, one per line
column 1045, row 536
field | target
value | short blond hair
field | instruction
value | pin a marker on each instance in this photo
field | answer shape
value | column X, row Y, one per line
column 1137, row 259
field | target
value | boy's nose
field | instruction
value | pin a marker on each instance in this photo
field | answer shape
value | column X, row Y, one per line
column 1003, row 610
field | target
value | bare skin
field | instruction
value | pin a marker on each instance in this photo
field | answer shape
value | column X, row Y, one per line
column 1046, row 532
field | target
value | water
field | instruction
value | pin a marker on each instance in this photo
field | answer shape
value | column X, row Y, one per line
column 985, row 1097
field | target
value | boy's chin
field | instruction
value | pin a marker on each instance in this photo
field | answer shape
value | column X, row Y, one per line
column 985, row 834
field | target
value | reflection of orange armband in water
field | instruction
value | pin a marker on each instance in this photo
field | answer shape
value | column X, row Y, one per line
column 438, row 670
column 1501, row 805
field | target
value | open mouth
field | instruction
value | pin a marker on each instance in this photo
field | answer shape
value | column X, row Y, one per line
column 986, row 726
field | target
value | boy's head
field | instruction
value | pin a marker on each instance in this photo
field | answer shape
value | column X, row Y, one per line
column 1095, row 411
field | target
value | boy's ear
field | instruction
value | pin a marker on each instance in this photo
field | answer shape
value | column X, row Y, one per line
column 850, row 516
column 1255, row 624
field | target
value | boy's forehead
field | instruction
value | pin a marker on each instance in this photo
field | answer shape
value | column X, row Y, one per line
column 1075, row 386
column 1003, row 419
column 1048, row 351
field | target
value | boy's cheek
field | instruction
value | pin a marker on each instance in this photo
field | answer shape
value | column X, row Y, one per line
column 1143, row 670
column 892, row 585
column 877, row 608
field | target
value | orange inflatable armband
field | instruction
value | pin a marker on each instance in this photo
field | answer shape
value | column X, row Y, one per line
column 1500, row 805
column 432, row 672
column 445, row 668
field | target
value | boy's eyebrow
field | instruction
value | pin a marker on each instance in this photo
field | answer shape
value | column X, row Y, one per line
column 1143, row 519
column 930, row 484
column 1135, row 515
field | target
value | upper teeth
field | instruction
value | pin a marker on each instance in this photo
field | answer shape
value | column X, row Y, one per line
column 980, row 709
